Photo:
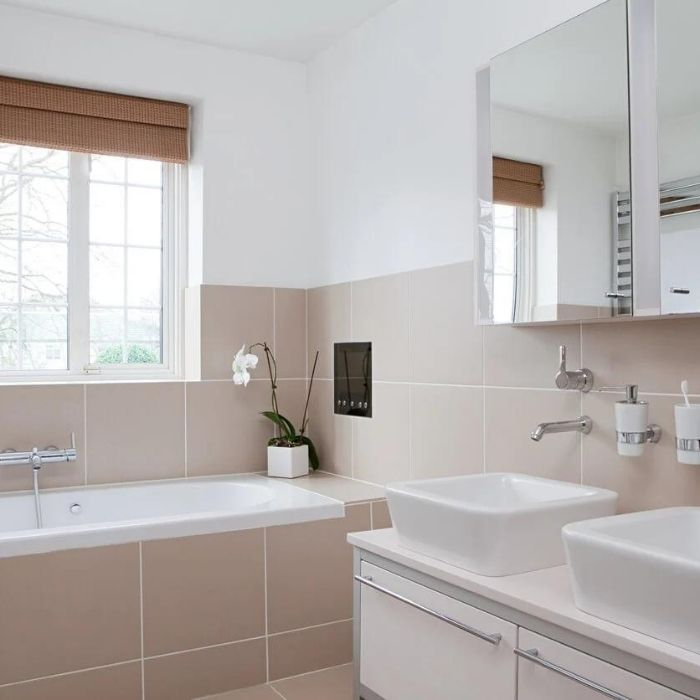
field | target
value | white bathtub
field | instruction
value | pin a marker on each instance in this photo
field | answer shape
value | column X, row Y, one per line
column 95, row 516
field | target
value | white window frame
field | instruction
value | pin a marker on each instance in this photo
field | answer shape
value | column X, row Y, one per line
column 174, row 276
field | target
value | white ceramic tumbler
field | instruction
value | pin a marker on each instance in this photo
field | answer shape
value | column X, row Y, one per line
column 687, row 433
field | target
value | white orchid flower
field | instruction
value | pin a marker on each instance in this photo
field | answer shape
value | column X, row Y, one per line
column 241, row 364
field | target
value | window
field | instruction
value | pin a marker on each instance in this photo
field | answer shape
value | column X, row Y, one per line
column 89, row 263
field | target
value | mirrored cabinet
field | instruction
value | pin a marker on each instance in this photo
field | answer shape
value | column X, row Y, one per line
column 589, row 169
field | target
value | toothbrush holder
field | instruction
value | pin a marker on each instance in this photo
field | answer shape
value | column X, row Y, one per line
column 687, row 433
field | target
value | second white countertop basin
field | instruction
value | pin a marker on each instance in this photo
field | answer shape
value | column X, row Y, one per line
column 640, row 570
column 492, row 524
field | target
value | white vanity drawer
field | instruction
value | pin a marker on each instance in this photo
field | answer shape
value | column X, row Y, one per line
column 418, row 644
column 557, row 671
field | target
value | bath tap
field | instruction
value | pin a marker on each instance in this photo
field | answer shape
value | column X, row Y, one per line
column 582, row 424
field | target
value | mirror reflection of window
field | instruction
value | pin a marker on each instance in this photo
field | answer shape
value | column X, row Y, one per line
column 512, row 263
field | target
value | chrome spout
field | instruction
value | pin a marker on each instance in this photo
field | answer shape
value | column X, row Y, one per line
column 582, row 424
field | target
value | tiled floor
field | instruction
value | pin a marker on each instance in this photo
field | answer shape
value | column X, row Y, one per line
column 329, row 684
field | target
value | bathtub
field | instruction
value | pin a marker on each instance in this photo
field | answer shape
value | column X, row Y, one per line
column 94, row 516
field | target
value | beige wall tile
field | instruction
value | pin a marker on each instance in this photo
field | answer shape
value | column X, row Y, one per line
column 135, row 431
column 122, row 682
column 291, row 397
column 292, row 653
column 69, row 610
column 225, row 433
column 38, row 416
column 512, row 414
column 657, row 355
column 447, row 431
column 527, row 356
column 193, row 333
column 205, row 671
column 231, row 317
column 329, row 684
column 290, row 332
column 380, row 315
column 446, row 345
column 381, row 517
column 309, row 571
column 205, row 590
column 654, row 480
column 381, row 443
column 331, row 434
column 329, row 322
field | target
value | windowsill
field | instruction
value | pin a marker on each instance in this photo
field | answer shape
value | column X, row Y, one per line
column 101, row 378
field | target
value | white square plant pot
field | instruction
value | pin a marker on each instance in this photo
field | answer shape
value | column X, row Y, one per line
column 288, row 462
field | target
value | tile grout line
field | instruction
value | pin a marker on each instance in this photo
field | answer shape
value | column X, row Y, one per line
column 353, row 427
column 187, row 469
column 69, row 673
column 85, row 438
column 274, row 690
column 267, row 624
column 143, row 664
column 410, row 377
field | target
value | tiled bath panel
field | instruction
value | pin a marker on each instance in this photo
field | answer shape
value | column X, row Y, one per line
column 178, row 619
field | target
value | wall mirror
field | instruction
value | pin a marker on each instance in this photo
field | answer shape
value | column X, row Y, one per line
column 678, row 109
column 554, row 238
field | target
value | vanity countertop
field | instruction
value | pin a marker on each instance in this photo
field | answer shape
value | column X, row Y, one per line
column 545, row 594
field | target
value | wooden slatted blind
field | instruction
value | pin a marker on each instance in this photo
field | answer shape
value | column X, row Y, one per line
column 516, row 183
column 89, row 121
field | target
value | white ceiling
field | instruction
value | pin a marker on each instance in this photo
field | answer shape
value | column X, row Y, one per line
column 287, row 29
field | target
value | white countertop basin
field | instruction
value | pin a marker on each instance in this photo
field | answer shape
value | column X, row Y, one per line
column 640, row 570
column 492, row 524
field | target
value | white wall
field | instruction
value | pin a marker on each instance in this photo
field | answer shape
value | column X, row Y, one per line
column 393, row 131
column 249, row 175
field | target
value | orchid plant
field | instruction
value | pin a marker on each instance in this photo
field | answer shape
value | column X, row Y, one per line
column 288, row 435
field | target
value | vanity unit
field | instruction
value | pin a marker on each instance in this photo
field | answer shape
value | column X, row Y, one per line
column 428, row 630
column 428, row 626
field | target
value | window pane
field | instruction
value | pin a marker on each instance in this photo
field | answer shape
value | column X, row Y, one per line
column 143, row 325
column 44, row 272
column 144, row 214
column 143, row 277
column 106, row 213
column 47, row 324
column 107, row 325
column 107, row 168
column 143, row 354
column 44, row 208
column 9, row 205
column 45, row 161
column 8, row 325
column 144, row 172
column 44, row 356
column 106, row 353
column 106, row 276
column 9, row 288
column 9, row 156
column 504, row 215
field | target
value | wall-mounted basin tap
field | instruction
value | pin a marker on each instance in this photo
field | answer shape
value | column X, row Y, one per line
column 582, row 424
column 580, row 379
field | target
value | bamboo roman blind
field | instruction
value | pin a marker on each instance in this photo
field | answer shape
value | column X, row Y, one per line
column 516, row 183
column 73, row 119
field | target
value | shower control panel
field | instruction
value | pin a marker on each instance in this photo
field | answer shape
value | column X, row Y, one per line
column 352, row 373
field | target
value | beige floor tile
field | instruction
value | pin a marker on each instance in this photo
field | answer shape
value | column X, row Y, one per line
column 258, row 692
column 329, row 684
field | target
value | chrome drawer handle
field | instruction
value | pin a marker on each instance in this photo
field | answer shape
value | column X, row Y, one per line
column 679, row 290
column 534, row 656
column 490, row 638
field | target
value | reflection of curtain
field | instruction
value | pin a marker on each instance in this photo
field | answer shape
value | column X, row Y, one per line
column 516, row 183
column 524, row 265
